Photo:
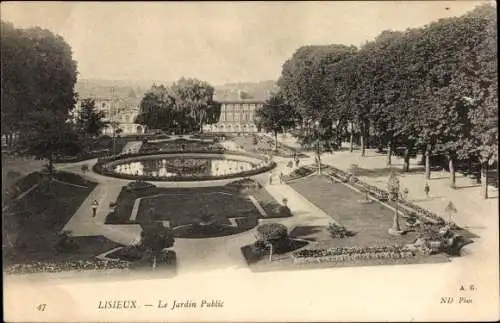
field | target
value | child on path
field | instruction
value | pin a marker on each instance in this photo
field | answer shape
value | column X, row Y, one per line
column 95, row 204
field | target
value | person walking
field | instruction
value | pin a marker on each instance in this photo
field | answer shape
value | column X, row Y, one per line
column 95, row 204
column 270, row 178
column 281, row 177
column 297, row 160
column 405, row 193
column 427, row 189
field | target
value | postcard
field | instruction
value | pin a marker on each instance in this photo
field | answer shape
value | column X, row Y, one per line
column 250, row 161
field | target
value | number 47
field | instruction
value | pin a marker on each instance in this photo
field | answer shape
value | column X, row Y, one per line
column 41, row 307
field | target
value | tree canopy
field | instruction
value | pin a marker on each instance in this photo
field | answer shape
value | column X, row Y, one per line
column 186, row 105
column 433, row 89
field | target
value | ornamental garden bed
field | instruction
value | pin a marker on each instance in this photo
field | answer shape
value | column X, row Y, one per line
column 198, row 212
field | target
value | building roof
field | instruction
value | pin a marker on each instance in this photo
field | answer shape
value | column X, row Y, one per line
column 254, row 101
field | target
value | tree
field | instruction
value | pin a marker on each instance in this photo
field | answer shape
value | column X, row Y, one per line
column 276, row 116
column 155, row 237
column 319, row 136
column 38, row 73
column 115, row 127
column 38, row 78
column 89, row 120
column 48, row 134
column 193, row 98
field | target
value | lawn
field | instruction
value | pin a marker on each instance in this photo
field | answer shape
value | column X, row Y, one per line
column 369, row 221
column 35, row 221
column 229, row 207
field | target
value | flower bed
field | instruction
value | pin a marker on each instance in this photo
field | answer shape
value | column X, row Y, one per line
column 309, row 256
column 420, row 212
column 338, row 173
column 70, row 265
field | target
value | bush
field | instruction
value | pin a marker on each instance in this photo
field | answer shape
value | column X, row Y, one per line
column 139, row 185
column 338, row 231
column 270, row 232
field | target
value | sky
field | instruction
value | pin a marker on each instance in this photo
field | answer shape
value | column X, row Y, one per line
column 218, row 42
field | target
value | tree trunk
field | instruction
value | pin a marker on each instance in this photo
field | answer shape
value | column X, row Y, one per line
column 484, row 178
column 363, row 140
column 406, row 163
column 427, row 163
column 351, row 141
column 319, row 162
column 452, row 171
column 275, row 140
column 389, row 152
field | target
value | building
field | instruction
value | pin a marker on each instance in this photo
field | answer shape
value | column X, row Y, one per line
column 121, row 111
column 236, row 116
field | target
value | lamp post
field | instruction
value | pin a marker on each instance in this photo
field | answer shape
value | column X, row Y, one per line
column 393, row 188
column 316, row 133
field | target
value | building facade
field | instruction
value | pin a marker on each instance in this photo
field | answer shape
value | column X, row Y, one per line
column 122, row 111
column 236, row 116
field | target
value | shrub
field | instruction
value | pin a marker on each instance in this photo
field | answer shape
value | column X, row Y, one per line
column 338, row 231
column 139, row 185
column 271, row 232
column 284, row 211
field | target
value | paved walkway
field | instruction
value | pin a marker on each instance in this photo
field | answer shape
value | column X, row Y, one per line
column 203, row 254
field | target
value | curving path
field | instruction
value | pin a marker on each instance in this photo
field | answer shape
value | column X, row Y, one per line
column 192, row 254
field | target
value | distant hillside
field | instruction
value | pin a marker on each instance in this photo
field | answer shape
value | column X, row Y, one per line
column 251, row 90
column 98, row 88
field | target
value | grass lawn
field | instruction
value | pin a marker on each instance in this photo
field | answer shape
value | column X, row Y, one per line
column 227, row 206
column 369, row 221
column 35, row 221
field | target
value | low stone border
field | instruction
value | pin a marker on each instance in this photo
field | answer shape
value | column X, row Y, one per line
column 336, row 255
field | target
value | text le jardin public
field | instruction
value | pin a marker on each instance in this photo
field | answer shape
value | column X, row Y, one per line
column 162, row 304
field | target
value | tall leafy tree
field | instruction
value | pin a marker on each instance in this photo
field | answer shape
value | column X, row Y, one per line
column 48, row 134
column 276, row 116
column 89, row 120
column 38, row 79
column 193, row 98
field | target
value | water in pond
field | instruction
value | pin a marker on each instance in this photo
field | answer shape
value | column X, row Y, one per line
column 183, row 166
